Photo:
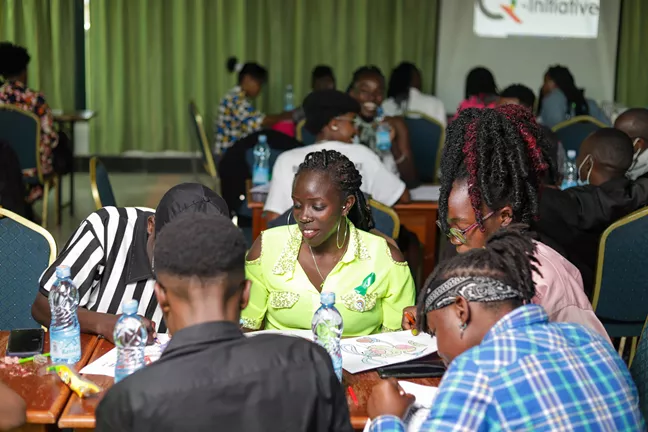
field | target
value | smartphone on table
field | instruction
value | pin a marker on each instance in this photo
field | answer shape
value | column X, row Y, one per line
column 25, row 342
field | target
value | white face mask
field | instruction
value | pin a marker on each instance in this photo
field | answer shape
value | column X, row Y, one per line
column 639, row 165
column 589, row 172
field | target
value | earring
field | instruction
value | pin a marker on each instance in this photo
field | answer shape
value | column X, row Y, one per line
column 337, row 241
column 335, row 128
column 462, row 327
column 288, row 218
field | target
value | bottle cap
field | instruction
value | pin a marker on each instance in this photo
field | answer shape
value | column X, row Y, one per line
column 327, row 298
column 130, row 307
column 262, row 138
column 62, row 272
column 571, row 154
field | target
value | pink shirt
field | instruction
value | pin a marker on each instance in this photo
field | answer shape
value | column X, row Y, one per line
column 560, row 291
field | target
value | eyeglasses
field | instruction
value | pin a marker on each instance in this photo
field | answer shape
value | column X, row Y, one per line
column 460, row 234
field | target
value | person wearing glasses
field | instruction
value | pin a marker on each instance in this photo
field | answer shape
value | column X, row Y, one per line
column 368, row 88
column 493, row 169
column 330, row 117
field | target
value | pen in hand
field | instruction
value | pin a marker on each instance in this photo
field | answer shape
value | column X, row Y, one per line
column 412, row 322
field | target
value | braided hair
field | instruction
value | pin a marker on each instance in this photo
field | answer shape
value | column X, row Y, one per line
column 400, row 82
column 499, row 154
column 346, row 178
column 364, row 71
column 480, row 81
column 565, row 82
column 507, row 257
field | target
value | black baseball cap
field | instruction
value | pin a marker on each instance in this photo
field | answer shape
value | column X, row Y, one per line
column 188, row 198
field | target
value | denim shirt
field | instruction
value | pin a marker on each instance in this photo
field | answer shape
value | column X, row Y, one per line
column 554, row 110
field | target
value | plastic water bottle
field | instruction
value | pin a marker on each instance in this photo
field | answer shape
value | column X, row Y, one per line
column 261, row 169
column 570, row 171
column 327, row 330
column 289, row 99
column 130, row 337
column 65, row 333
column 383, row 140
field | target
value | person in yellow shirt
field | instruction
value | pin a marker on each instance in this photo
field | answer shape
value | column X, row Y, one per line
column 329, row 249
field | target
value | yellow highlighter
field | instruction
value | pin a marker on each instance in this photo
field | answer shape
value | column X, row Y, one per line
column 82, row 387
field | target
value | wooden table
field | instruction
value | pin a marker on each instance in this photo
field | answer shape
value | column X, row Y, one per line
column 418, row 216
column 66, row 120
column 45, row 395
column 80, row 413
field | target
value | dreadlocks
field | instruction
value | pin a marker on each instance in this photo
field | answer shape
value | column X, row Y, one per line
column 498, row 152
column 346, row 178
column 507, row 257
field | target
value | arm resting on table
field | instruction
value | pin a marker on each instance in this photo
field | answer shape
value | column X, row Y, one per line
column 13, row 410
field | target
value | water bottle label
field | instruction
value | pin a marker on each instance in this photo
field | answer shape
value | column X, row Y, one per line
column 65, row 345
column 566, row 184
column 383, row 142
column 261, row 176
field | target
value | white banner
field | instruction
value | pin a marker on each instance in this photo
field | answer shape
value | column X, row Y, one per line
column 545, row 18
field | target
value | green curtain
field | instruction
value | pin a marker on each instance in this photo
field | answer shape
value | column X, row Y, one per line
column 45, row 28
column 146, row 59
column 632, row 85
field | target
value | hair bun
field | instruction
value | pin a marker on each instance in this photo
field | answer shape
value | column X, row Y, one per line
column 232, row 64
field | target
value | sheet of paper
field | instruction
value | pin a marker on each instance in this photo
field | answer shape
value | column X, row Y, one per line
column 306, row 334
column 373, row 351
column 418, row 413
column 105, row 365
column 425, row 193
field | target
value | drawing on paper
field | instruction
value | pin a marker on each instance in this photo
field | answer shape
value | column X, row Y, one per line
column 378, row 352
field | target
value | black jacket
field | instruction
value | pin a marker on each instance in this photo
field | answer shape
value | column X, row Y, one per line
column 573, row 220
column 213, row 378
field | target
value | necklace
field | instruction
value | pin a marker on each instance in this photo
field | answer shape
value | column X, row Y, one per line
column 317, row 267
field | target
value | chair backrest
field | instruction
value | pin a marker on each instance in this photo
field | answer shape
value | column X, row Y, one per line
column 620, row 297
column 639, row 370
column 203, row 144
column 427, row 137
column 385, row 219
column 21, row 130
column 102, row 191
column 573, row 132
column 302, row 134
column 26, row 250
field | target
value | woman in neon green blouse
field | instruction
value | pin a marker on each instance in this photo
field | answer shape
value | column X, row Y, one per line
column 329, row 249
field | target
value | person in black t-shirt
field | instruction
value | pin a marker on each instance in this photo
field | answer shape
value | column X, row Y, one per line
column 211, row 377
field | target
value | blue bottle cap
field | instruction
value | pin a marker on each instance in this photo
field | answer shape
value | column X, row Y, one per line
column 262, row 138
column 62, row 272
column 327, row 298
column 130, row 307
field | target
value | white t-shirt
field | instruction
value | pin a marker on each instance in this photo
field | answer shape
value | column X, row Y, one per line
column 377, row 180
column 419, row 102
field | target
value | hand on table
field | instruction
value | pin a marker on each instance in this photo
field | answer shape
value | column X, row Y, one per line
column 388, row 398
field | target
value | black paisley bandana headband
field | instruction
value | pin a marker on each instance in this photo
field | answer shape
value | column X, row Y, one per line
column 472, row 288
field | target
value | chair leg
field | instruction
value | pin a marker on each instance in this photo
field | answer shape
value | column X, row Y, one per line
column 633, row 349
column 57, row 200
column 46, row 191
column 622, row 346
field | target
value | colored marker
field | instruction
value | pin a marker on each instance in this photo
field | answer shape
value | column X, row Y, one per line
column 412, row 322
column 353, row 396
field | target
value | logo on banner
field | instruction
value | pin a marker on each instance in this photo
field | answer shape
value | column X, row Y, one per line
column 509, row 9
column 547, row 18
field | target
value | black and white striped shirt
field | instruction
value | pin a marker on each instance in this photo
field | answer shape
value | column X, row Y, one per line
column 109, row 263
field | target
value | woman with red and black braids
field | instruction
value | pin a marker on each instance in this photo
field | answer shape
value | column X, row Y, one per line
column 491, row 175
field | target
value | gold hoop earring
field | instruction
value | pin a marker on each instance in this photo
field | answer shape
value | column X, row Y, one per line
column 337, row 235
column 288, row 218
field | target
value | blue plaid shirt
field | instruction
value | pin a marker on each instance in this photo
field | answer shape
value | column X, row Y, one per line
column 529, row 374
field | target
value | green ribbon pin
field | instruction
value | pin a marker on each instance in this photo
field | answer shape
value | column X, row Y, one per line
column 366, row 283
